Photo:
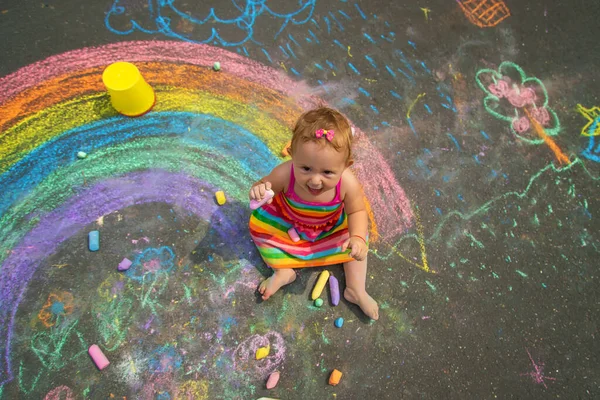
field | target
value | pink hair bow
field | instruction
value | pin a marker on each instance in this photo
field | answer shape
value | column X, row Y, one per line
column 323, row 132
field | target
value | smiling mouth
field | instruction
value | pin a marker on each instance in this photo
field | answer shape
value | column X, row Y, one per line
column 314, row 191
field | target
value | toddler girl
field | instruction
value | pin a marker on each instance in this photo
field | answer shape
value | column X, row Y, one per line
column 318, row 195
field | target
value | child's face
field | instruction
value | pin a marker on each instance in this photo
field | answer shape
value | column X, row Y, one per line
column 317, row 168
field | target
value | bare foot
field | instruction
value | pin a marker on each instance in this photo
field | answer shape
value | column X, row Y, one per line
column 364, row 301
column 280, row 277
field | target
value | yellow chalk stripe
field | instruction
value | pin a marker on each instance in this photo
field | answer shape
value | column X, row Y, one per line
column 45, row 125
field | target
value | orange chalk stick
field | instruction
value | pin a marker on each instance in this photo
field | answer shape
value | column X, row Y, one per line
column 335, row 377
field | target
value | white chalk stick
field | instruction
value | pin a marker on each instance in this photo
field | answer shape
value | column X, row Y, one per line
column 254, row 204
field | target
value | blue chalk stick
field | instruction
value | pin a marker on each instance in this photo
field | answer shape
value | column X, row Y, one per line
column 339, row 322
column 334, row 290
column 94, row 240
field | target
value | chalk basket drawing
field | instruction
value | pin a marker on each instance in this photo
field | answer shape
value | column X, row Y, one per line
column 170, row 20
column 484, row 13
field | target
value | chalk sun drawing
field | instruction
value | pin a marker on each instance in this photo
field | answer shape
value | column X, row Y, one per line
column 51, row 107
column 168, row 19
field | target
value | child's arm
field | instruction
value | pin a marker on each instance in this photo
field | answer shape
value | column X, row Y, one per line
column 275, row 181
column 358, row 221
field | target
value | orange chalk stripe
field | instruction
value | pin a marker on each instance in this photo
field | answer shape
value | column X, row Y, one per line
column 286, row 149
column 560, row 156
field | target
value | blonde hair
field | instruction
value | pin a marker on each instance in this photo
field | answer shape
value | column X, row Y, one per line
column 328, row 119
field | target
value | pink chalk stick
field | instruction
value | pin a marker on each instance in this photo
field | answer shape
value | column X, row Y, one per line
column 124, row 265
column 254, row 204
column 98, row 356
column 334, row 290
column 273, row 379
column 293, row 235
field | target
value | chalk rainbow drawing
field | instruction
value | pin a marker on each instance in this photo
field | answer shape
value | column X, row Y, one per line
column 208, row 131
column 165, row 16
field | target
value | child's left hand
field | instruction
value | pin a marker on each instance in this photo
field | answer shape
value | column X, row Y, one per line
column 358, row 248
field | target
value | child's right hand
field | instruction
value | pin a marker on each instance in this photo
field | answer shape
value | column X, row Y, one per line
column 258, row 192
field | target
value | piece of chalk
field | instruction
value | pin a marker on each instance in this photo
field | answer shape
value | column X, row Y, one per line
column 262, row 352
column 334, row 290
column 273, row 379
column 335, row 377
column 124, row 265
column 217, row 66
column 339, row 322
column 320, row 285
column 94, row 240
column 254, row 204
column 220, row 196
column 318, row 302
column 293, row 235
column 98, row 356
column 81, row 154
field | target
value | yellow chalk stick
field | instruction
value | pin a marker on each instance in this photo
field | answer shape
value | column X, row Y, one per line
column 220, row 196
column 335, row 377
column 320, row 285
column 262, row 352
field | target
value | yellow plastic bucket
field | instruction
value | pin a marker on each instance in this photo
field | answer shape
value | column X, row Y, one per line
column 129, row 93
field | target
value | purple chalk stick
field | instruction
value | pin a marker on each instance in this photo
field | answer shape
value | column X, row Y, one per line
column 334, row 290
column 124, row 265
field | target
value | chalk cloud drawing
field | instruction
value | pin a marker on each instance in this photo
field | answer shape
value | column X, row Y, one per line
column 511, row 96
column 120, row 19
column 484, row 13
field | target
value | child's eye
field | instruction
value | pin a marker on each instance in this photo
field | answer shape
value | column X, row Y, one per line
column 305, row 169
column 328, row 172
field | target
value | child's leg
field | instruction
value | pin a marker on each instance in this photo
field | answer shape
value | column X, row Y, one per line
column 356, row 276
column 281, row 277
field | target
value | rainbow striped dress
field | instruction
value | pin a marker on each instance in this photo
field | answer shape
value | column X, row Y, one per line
column 322, row 227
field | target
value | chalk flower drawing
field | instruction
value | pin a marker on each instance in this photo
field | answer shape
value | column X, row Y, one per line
column 171, row 20
column 244, row 354
column 151, row 263
column 56, row 305
column 511, row 94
